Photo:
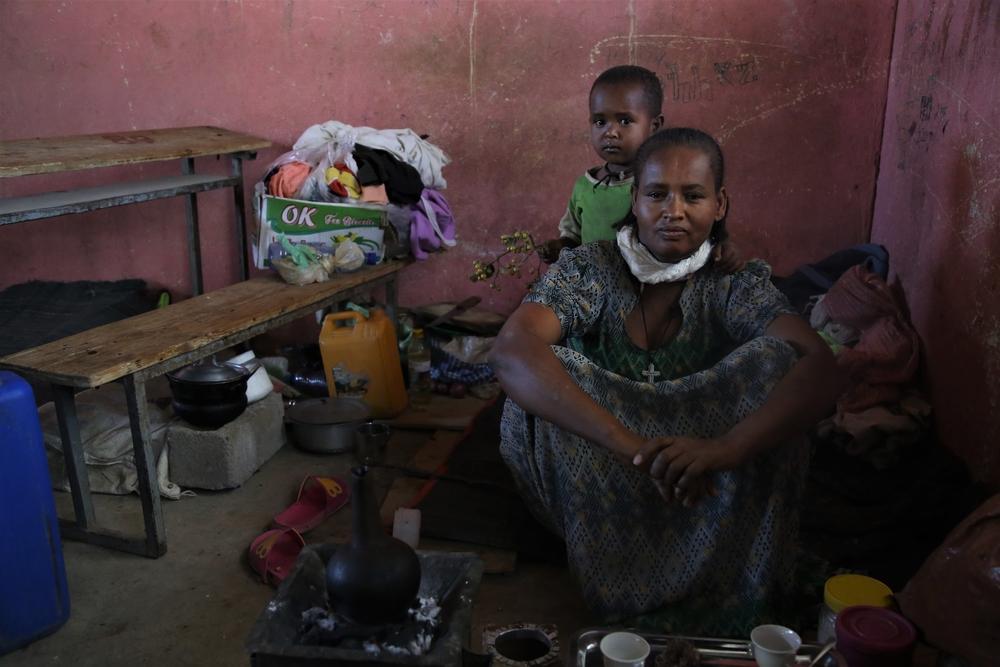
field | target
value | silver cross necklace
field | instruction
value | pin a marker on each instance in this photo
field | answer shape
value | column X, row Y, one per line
column 650, row 373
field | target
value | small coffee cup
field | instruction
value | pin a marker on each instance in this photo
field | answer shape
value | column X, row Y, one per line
column 624, row 649
column 774, row 645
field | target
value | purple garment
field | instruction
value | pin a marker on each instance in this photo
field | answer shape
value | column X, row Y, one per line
column 432, row 224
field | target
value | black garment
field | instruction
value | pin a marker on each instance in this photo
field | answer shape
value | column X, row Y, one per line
column 402, row 182
column 39, row 312
column 810, row 280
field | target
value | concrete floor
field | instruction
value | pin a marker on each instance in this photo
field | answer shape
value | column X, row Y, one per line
column 196, row 604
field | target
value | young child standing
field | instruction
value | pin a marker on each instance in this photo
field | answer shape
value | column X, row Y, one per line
column 625, row 109
column 626, row 105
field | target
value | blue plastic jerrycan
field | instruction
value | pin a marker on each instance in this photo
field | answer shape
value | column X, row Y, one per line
column 34, row 599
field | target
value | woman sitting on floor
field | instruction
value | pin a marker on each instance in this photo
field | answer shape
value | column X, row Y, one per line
column 657, row 405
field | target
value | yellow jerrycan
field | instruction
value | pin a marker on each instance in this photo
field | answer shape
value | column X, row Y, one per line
column 361, row 360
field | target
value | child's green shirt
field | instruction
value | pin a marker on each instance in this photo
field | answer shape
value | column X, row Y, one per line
column 594, row 207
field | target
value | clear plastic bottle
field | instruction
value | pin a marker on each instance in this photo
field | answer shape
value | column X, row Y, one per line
column 419, row 361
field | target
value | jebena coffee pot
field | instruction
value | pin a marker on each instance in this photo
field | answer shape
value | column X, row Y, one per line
column 373, row 579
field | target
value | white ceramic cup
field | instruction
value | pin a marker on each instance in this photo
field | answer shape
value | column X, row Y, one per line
column 624, row 649
column 259, row 384
column 774, row 645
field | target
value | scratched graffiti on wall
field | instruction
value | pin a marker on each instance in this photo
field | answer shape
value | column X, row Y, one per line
column 923, row 121
column 930, row 122
column 754, row 80
column 685, row 84
column 737, row 72
column 747, row 81
column 686, row 81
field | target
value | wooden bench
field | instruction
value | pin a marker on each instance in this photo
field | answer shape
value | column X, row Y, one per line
column 138, row 348
column 26, row 157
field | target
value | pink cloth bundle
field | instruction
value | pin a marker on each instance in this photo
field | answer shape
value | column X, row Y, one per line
column 888, row 352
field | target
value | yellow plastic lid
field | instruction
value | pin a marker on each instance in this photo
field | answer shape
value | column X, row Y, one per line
column 847, row 590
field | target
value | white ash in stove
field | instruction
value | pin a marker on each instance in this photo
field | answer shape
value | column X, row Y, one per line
column 319, row 617
column 413, row 636
column 428, row 611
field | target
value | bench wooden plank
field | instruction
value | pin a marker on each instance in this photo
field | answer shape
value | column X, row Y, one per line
column 23, row 157
column 51, row 204
column 156, row 340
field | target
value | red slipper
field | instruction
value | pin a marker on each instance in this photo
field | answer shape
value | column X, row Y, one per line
column 273, row 554
column 319, row 497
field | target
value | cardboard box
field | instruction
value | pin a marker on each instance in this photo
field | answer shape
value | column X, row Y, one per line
column 320, row 224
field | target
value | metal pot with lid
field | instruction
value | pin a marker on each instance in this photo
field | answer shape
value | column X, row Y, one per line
column 326, row 425
column 210, row 394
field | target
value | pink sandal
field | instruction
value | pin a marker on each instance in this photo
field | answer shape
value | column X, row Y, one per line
column 319, row 497
column 273, row 554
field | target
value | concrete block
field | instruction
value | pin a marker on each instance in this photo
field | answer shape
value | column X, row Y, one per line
column 228, row 456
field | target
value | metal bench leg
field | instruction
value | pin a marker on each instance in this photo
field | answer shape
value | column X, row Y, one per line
column 241, row 232
column 149, row 488
column 194, row 237
column 76, row 468
column 84, row 526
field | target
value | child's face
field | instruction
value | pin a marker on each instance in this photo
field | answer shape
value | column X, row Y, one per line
column 619, row 122
column 675, row 202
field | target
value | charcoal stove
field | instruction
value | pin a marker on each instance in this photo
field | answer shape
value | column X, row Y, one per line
column 277, row 638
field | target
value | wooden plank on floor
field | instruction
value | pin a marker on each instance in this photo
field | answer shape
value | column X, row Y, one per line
column 400, row 494
column 442, row 412
column 435, row 452
column 495, row 561
column 431, row 455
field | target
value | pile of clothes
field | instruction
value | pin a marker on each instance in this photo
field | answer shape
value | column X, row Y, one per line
column 881, row 491
column 848, row 302
column 880, row 414
column 337, row 163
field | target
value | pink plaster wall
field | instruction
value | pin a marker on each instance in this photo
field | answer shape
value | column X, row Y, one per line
column 795, row 90
column 938, row 211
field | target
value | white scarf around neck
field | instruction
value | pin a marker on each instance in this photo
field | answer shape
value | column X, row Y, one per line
column 650, row 270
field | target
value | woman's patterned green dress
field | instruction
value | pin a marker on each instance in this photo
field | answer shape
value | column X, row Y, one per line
column 712, row 569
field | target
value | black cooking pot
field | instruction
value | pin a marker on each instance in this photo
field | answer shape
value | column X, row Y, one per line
column 209, row 394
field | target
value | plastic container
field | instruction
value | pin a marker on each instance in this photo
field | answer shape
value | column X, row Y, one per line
column 34, row 600
column 848, row 590
column 419, row 364
column 875, row 637
column 361, row 360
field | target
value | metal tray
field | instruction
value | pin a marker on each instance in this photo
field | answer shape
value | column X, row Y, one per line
column 585, row 652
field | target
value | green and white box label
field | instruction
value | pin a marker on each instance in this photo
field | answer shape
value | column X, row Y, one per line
column 321, row 225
